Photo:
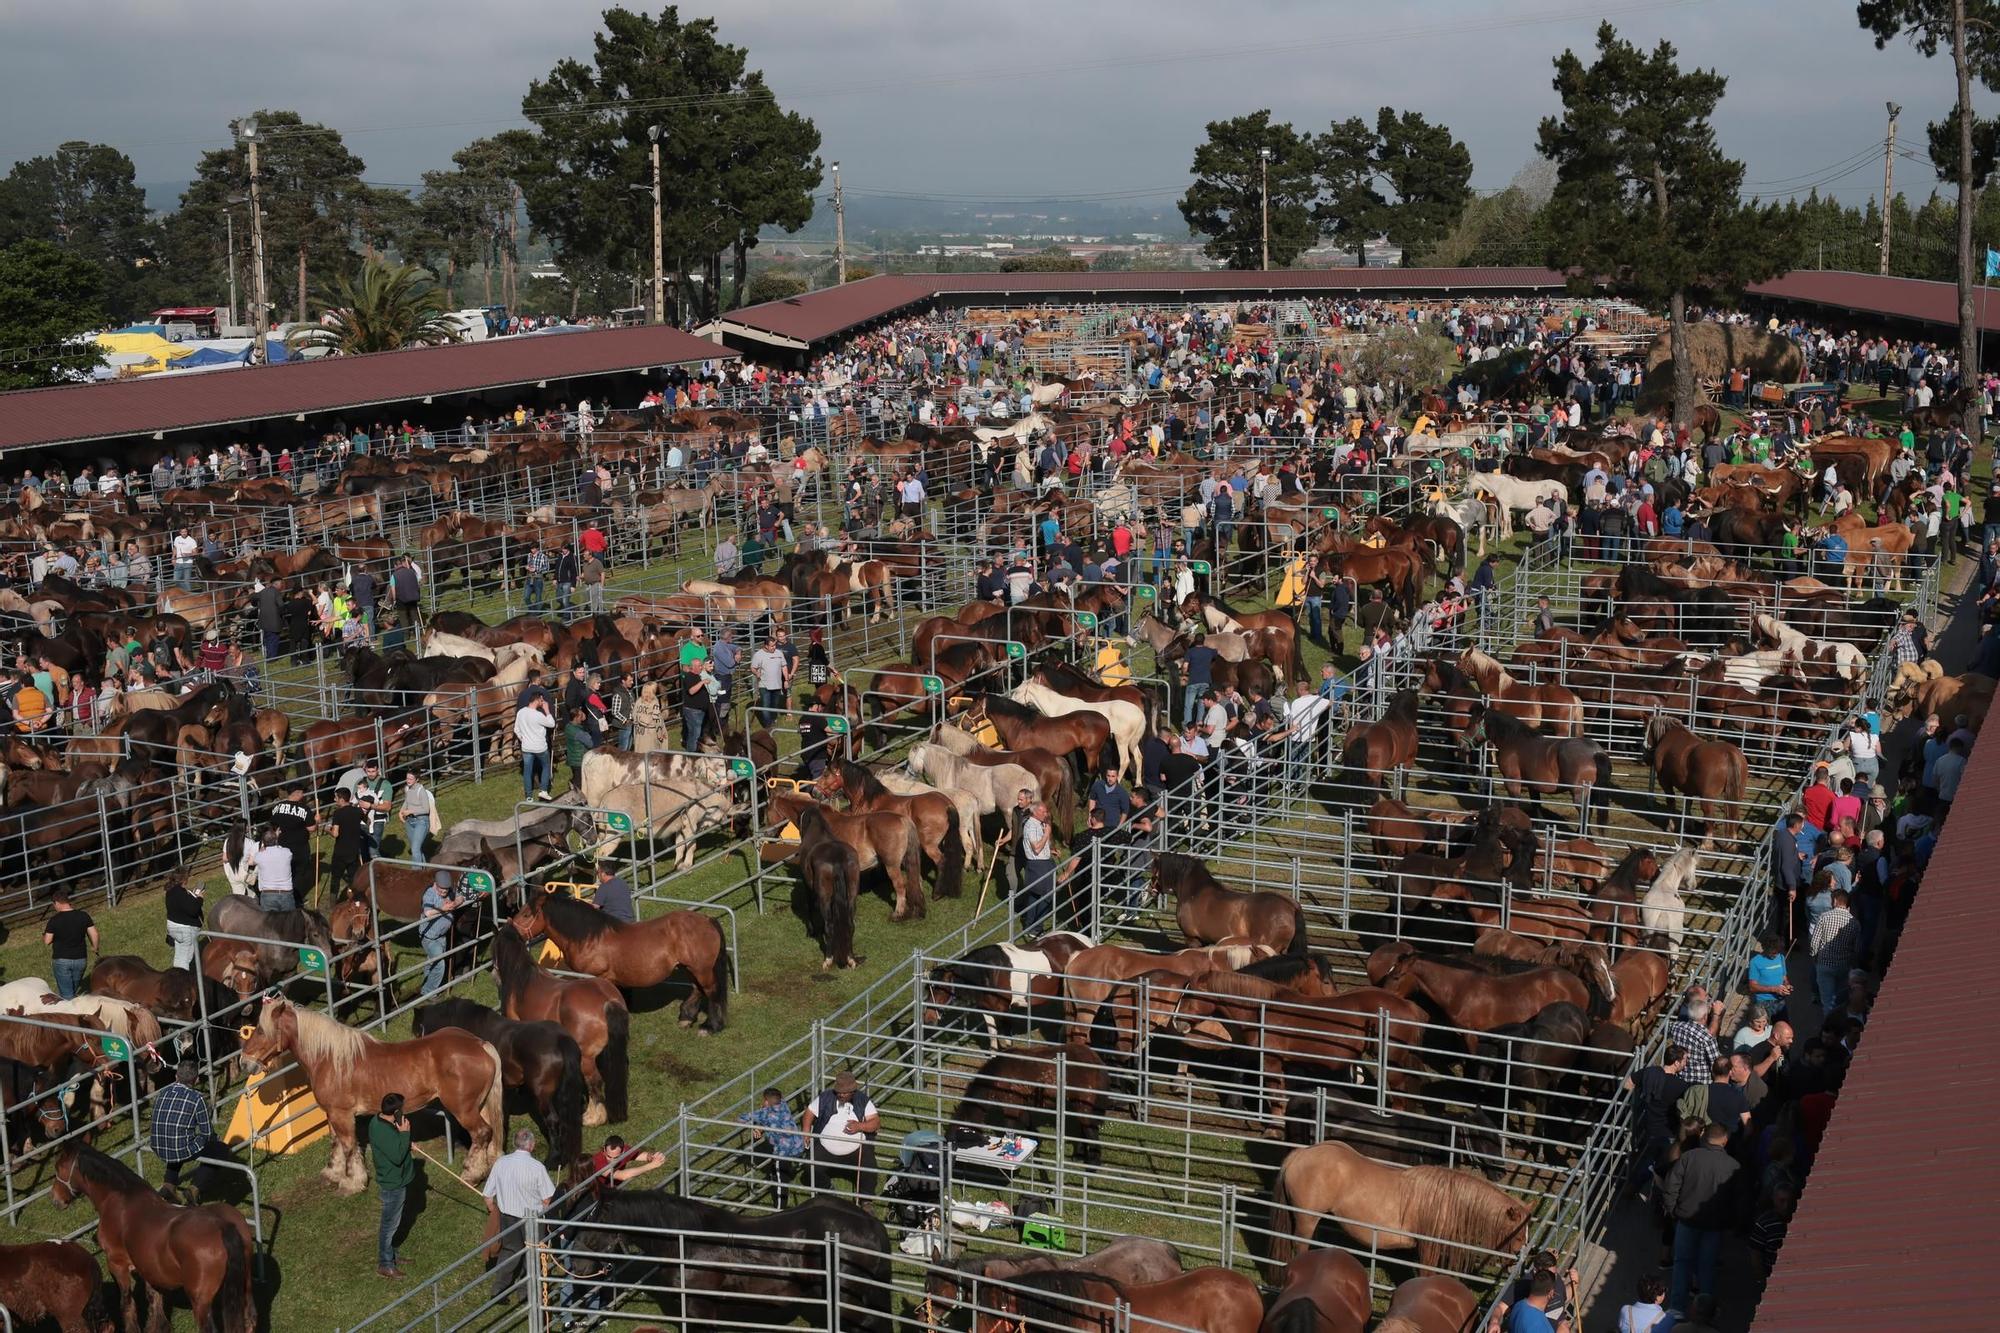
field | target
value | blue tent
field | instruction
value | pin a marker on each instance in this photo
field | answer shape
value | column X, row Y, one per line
column 212, row 356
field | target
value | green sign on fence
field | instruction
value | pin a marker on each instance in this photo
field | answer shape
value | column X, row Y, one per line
column 834, row 724
column 933, row 685
column 742, row 768
column 1329, row 513
column 1199, row 566
column 115, row 1047
column 1087, row 619
column 618, row 821
column 1146, row 592
column 311, row 960
column 478, row 881
column 1015, row 650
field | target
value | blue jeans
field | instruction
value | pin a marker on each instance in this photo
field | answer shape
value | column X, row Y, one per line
column 1832, row 984
column 434, row 950
column 272, row 644
column 184, row 575
column 1191, row 701
column 416, row 832
column 1695, row 1252
column 691, row 722
column 770, row 702
column 280, row 901
column 624, row 738
column 531, row 765
column 535, row 591
column 70, row 973
column 385, row 1235
column 1314, row 606
column 1038, row 897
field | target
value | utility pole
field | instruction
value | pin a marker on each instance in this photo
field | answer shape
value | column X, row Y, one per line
column 839, row 231
column 229, row 224
column 1888, row 183
column 261, row 312
column 1264, row 161
column 659, row 266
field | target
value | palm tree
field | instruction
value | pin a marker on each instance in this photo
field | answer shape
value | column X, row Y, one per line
column 390, row 306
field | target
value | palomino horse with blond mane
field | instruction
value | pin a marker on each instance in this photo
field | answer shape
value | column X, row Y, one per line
column 350, row 1072
column 1451, row 1218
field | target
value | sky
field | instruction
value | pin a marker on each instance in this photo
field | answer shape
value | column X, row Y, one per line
column 996, row 101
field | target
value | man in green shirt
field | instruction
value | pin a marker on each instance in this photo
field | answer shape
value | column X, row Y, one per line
column 1907, row 439
column 694, row 648
column 389, row 1145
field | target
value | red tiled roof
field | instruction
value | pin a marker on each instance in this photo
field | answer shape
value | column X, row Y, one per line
column 1872, row 294
column 1896, row 1226
column 827, row 313
column 80, row 412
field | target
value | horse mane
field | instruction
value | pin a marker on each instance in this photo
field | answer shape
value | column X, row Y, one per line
column 320, row 1037
column 106, row 1170
column 1280, row 966
column 511, row 962
column 1011, row 709
column 663, row 1210
column 575, row 918
column 1239, row 986
column 1453, row 1209
column 1057, row 1291
column 860, row 779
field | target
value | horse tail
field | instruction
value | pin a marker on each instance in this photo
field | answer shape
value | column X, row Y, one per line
column 951, row 869
column 614, row 1061
column 833, row 876
column 493, row 1108
column 566, row 1108
column 1062, row 809
column 910, row 864
column 718, row 989
column 233, row 1313
column 1300, row 946
column 1283, row 1244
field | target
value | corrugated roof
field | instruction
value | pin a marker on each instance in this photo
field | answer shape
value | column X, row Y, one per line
column 1872, row 294
column 832, row 311
column 1896, row 1228
column 77, row 413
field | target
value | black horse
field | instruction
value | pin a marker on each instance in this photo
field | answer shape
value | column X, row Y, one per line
column 539, row 1059
column 830, row 884
column 710, row 1266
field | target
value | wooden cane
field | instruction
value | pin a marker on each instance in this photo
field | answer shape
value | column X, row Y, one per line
column 986, row 881
column 448, row 1171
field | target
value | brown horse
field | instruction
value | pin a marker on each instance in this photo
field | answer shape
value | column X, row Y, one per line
column 1373, row 750
column 1081, row 735
column 1449, row 1217
column 1396, row 829
column 350, row 1072
column 1642, row 976
column 1053, row 776
column 934, row 814
column 830, row 875
column 1028, row 1088
column 1431, row 1304
column 204, row 1252
column 49, row 1045
column 896, row 694
column 1324, row 1291
column 1091, row 974
column 590, row 1009
column 1477, row 1001
column 1713, row 773
column 52, row 1280
column 1533, row 764
column 640, row 955
column 1215, row 1300
column 884, row 838
column 1129, row 1259
column 1553, row 708
column 168, row 992
column 1066, row 679
column 1210, row 912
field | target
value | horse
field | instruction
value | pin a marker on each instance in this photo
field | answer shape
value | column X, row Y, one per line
column 1324, row 1291
column 1477, row 1001
column 1023, row 1089
column 1210, row 912
column 773, row 1268
column 1089, row 975
column 996, row 982
column 1061, row 676
column 1642, row 976
column 1375, row 749
column 1451, row 1218
column 204, row 1252
column 52, row 1279
column 1052, row 777
column 883, row 838
column 168, row 992
column 287, row 932
column 1430, row 1304
column 539, row 1058
column 1713, row 773
column 935, row 816
column 1274, row 632
column 640, row 955
column 1664, row 910
column 830, row 875
column 1129, row 1259
column 1533, row 764
column 1396, row 829
column 590, row 1010
column 1215, row 1300
column 350, row 1072
column 1553, row 708
column 1125, row 721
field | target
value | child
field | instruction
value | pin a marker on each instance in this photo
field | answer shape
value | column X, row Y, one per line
column 775, row 1141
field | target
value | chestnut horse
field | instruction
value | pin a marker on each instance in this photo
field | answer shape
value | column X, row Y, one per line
column 1325, row 1291
column 1473, row 1000
column 934, row 814
column 52, row 1279
column 590, row 1009
column 1375, row 749
column 169, row 992
column 1430, row 1304
column 639, row 955
column 1210, row 912
column 350, row 1072
column 1553, row 708
column 885, row 838
column 1713, row 773
column 204, row 1252
column 1449, row 1217
column 1215, row 1300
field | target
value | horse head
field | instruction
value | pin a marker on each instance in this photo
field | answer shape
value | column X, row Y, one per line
column 277, row 1028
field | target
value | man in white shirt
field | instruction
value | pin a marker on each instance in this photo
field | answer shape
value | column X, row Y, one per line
column 184, row 548
column 274, row 875
column 533, row 723
column 842, row 1123
column 518, row 1186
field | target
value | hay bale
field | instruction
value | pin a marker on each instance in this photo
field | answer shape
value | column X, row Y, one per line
column 1716, row 347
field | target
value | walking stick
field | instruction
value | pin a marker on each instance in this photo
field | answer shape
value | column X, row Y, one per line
column 993, row 860
column 448, row 1171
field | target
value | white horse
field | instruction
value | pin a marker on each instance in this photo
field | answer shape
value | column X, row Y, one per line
column 1023, row 429
column 678, row 810
column 1514, row 493
column 439, row 644
column 902, row 784
column 239, row 859
column 1127, row 720
column 1848, row 660
column 991, row 787
column 1664, row 910
column 1042, row 395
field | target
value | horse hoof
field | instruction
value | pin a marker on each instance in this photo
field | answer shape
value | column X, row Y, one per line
column 826, row 964
column 687, row 1022
column 593, row 1115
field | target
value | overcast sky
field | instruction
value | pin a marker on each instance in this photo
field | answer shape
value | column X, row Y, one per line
column 1002, row 100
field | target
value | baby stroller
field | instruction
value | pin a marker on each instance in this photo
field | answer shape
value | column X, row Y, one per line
column 914, row 1190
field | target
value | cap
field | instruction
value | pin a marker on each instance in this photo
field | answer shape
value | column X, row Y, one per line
column 844, row 1082
column 443, row 879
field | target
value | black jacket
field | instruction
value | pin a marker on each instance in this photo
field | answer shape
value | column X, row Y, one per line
column 1701, row 1188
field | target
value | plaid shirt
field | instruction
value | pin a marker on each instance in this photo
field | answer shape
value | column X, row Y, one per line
column 781, row 1131
column 1904, row 645
column 1697, row 1041
column 181, row 1126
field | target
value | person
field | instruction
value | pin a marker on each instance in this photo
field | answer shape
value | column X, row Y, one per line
column 517, row 1187
column 1039, row 866
column 1555, row 1310
column 578, row 741
column 591, row 574
column 1832, row 946
column 420, row 814
column 183, row 1131
column 775, row 1141
column 536, row 577
column 1767, row 1231
column 1945, row 775
column 1656, row 1093
column 395, row 1169
column 1768, row 982
column 614, row 895
column 1700, row 1192
column 70, row 935
column 184, row 921
column 292, row 819
column 408, row 585
column 349, row 827
column 1691, row 1033
column 372, row 797
column 1641, row 1315
column 532, row 724
column 1864, row 750
column 1109, row 796
column 768, row 665
column 1530, row 1315
column 841, row 1124
column 617, row 1162
column 434, row 931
